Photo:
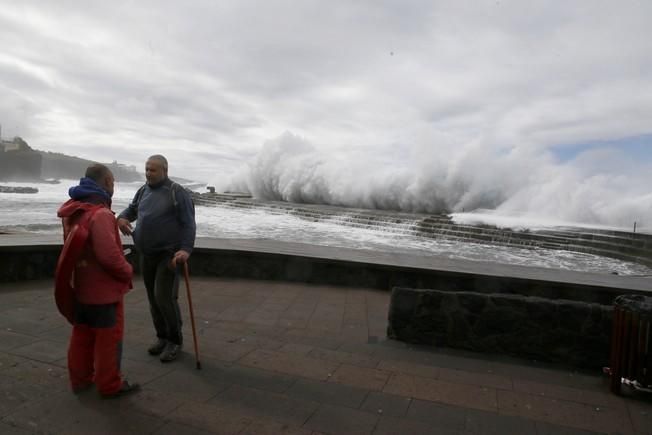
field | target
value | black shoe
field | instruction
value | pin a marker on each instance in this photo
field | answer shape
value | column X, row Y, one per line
column 125, row 389
column 157, row 348
column 171, row 352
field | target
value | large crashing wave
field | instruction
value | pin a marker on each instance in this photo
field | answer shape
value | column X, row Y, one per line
column 447, row 179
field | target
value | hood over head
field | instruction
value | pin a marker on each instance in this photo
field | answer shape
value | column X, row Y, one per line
column 89, row 191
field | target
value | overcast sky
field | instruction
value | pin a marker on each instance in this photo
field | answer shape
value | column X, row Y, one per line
column 362, row 85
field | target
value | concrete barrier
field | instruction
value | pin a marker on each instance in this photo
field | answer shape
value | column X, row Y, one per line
column 34, row 257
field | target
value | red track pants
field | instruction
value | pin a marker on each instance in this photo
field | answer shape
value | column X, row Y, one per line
column 94, row 355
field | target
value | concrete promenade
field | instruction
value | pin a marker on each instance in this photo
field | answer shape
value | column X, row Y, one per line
column 290, row 358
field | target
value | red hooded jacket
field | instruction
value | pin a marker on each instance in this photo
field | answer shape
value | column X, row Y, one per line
column 102, row 274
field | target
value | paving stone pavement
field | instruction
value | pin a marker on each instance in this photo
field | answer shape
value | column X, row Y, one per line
column 288, row 358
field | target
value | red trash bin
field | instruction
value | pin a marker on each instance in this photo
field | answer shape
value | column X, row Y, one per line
column 631, row 343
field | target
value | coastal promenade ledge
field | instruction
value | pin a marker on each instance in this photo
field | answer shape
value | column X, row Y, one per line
column 33, row 256
column 290, row 358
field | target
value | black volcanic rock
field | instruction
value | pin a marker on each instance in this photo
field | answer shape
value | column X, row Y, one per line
column 18, row 189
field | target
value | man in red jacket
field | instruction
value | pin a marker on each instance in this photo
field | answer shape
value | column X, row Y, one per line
column 101, row 277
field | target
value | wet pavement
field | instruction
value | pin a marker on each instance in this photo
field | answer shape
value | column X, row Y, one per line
column 290, row 358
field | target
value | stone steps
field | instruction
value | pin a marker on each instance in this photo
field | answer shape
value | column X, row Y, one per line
column 610, row 243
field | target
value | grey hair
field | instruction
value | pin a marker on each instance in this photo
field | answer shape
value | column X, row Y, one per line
column 161, row 159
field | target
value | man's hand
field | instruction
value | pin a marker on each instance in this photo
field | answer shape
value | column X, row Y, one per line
column 180, row 257
column 124, row 226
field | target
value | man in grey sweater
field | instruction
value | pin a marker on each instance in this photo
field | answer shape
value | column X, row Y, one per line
column 164, row 236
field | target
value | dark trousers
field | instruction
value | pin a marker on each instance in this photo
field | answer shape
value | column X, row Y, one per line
column 95, row 347
column 162, row 285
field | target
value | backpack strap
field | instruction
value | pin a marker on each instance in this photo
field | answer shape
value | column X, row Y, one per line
column 173, row 191
column 174, row 187
column 140, row 191
column 173, row 194
column 139, row 195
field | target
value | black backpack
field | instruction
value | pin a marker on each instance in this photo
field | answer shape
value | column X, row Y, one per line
column 173, row 193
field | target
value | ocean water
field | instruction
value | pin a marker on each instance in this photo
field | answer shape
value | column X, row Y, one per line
column 37, row 213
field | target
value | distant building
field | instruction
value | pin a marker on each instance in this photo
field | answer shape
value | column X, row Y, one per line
column 6, row 145
column 10, row 146
column 19, row 161
column 124, row 172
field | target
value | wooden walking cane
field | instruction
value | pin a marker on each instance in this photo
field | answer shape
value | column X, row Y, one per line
column 192, row 315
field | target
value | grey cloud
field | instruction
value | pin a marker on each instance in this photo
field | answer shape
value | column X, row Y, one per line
column 211, row 81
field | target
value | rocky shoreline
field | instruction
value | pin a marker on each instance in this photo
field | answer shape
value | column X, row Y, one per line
column 18, row 189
